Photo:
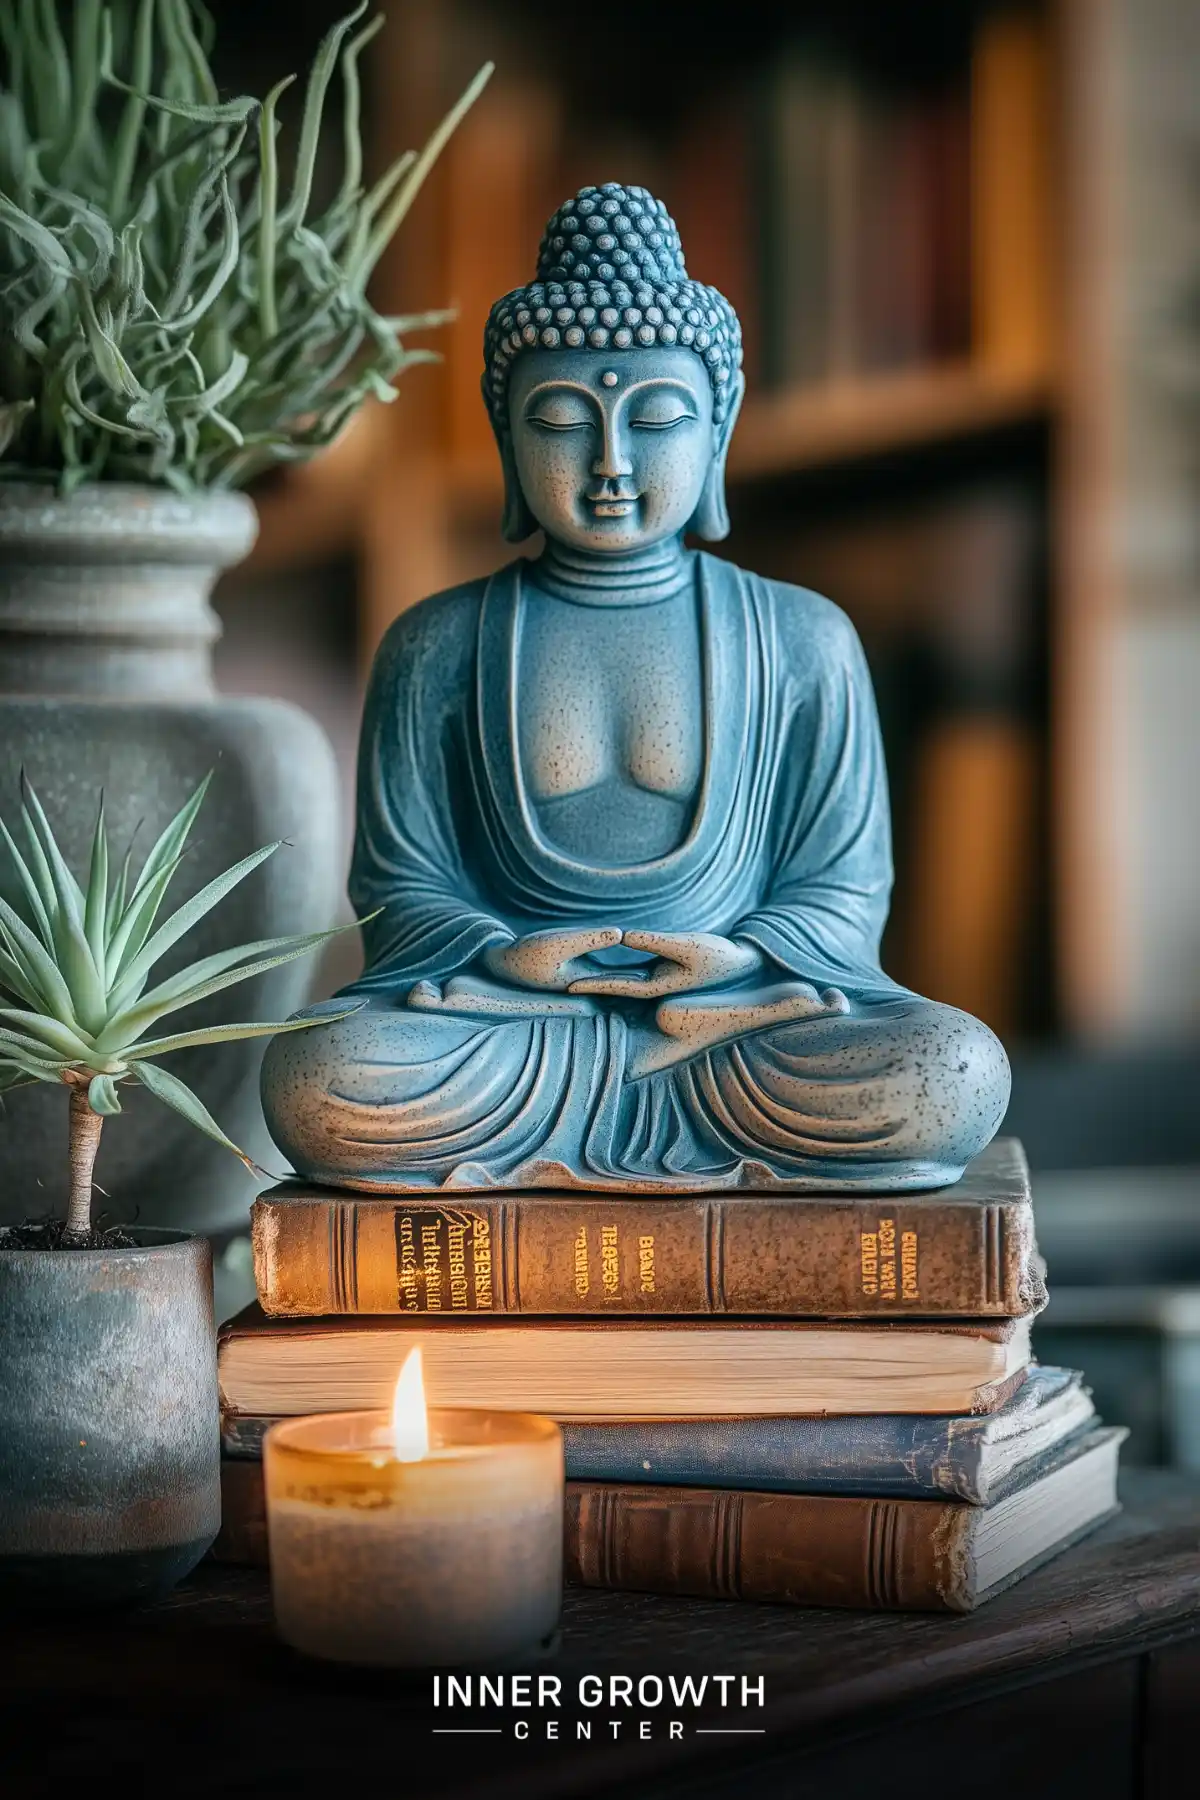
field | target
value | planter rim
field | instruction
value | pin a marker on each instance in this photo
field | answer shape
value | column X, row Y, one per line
column 123, row 521
column 161, row 1241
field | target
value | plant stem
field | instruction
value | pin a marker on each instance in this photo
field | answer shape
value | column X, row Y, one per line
column 84, row 1141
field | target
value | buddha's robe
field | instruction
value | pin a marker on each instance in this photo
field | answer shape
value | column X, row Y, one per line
column 788, row 848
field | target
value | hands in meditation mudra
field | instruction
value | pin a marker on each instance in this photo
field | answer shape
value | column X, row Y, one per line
column 623, row 850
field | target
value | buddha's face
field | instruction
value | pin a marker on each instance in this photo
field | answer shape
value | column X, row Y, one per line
column 612, row 449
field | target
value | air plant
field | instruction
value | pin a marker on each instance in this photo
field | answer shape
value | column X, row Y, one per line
column 75, row 962
column 168, row 312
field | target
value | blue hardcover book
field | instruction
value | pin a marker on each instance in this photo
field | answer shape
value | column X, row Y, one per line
column 890, row 1455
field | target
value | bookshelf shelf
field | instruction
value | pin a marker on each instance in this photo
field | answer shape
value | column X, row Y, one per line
column 839, row 422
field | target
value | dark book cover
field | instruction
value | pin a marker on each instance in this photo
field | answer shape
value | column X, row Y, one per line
column 966, row 1251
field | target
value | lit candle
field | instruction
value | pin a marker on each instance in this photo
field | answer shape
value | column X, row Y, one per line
column 419, row 1540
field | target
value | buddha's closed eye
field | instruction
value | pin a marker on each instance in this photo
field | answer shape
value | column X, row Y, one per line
column 661, row 412
column 561, row 412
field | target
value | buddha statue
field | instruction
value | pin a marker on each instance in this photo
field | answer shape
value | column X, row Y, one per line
column 623, row 846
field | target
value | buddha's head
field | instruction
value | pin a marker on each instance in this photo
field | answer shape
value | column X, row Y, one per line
column 613, row 382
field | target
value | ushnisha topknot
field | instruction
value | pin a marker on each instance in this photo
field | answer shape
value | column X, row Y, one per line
column 611, row 276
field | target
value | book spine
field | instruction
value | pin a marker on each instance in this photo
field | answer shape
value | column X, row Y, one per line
column 805, row 1550
column 856, row 1258
column 243, row 1534
column 902, row 1457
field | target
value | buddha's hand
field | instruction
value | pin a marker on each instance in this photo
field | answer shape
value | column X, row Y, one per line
column 689, row 1024
column 686, row 962
column 553, row 961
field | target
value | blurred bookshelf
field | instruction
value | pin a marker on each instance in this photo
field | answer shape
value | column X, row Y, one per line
column 897, row 202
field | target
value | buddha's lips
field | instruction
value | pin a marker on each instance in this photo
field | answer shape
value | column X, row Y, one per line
column 612, row 506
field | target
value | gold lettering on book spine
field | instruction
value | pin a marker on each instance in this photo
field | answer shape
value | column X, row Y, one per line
column 408, row 1272
column 887, row 1259
column 646, row 1263
column 481, row 1263
column 869, row 1262
column 610, row 1260
column 456, row 1259
column 432, row 1267
column 909, row 1286
column 583, row 1274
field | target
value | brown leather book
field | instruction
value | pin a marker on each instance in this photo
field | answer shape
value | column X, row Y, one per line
column 817, row 1550
column 966, row 1251
column 801, row 1549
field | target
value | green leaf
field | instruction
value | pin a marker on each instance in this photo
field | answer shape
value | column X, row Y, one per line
column 20, row 1043
column 32, row 1068
column 211, row 397
column 111, row 366
column 13, row 414
column 32, row 232
column 38, row 965
column 228, row 1034
column 95, row 910
column 192, row 911
column 352, row 113
column 187, row 321
column 49, row 1033
column 75, row 963
column 268, row 184
column 208, row 976
column 323, row 66
column 16, row 982
column 167, row 848
column 29, row 887
column 103, row 1097
column 387, row 227
column 136, row 925
column 129, row 131
column 175, row 1093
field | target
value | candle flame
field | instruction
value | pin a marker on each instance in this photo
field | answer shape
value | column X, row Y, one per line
column 410, row 1422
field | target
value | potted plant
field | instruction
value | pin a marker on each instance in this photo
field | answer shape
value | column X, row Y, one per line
column 177, row 314
column 109, row 1440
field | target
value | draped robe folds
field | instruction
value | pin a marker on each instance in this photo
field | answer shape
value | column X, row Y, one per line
column 788, row 848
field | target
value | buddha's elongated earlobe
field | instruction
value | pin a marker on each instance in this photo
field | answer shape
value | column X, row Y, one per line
column 710, row 520
column 516, row 521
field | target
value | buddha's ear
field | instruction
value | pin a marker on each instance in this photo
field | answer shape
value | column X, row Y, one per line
column 516, row 521
column 710, row 520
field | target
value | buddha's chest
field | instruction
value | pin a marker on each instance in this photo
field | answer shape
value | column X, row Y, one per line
column 609, row 696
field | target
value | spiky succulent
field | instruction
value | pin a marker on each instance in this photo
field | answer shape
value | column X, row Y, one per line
column 166, row 313
column 75, row 964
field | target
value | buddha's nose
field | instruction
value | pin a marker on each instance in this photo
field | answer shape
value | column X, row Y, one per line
column 612, row 464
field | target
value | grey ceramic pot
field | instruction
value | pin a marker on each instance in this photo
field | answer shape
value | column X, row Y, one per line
column 105, row 682
column 109, row 1434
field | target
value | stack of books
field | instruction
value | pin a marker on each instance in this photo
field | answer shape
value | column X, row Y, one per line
column 821, row 1399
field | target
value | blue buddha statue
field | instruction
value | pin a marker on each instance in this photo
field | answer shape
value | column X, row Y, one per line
column 623, row 853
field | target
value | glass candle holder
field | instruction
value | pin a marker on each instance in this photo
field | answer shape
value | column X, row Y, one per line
column 452, row 1558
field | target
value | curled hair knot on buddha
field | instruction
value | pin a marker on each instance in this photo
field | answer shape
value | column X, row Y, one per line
column 610, row 276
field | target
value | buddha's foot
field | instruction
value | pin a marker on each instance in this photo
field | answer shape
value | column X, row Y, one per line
column 470, row 997
column 688, row 1024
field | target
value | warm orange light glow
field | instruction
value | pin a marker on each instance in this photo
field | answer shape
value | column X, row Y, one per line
column 410, row 1424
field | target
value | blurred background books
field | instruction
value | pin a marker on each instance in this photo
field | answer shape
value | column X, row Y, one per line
column 961, row 238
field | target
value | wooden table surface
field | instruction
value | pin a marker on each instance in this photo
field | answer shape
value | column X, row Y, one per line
column 1088, row 1661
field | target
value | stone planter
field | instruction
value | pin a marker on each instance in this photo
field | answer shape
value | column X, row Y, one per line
column 109, row 1434
column 106, row 683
